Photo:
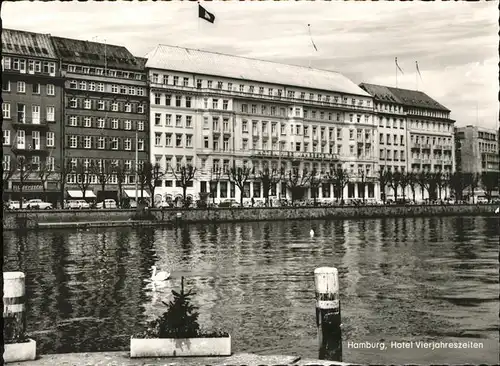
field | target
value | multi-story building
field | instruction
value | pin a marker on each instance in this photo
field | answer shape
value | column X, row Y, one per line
column 32, row 92
column 212, row 110
column 105, row 118
column 476, row 149
column 415, row 131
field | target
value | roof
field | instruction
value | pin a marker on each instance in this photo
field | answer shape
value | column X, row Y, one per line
column 218, row 64
column 96, row 54
column 406, row 97
column 27, row 43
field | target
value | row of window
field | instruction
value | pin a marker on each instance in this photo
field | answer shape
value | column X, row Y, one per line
column 395, row 139
column 173, row 140
column 422, row 139
column 180, row 120
column 37, row 164
column 29, row 66
column 388, row 108
column 20, row 139
column 36, row 116
column 429, row 113
column 391, row 123
column 36, row 89
column 109, row 88
column 430, row 126
column 105, row 123
column 490, row 147
column 128, row 165
column 385, row 154
column 445, row 157
column 105, row 105
column 103, row 143
column 177, row 101
column 89, row 70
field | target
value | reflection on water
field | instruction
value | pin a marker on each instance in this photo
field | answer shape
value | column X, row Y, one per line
column 401, row 279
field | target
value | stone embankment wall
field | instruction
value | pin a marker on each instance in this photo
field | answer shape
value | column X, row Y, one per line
column 30, row 219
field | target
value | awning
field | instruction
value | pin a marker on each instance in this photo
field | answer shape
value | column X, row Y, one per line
column 130, row 193
column 79, row 194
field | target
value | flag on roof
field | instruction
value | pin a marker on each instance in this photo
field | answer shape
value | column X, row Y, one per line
column 399, row 68
column 418, row 70
column 204, row 14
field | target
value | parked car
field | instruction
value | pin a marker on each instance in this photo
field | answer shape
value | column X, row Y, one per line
column 164, row 204
column 482, row 200
column 110, row 203
column 77, row 204
column 37, row 204
column 14, row 205
column 229, row 203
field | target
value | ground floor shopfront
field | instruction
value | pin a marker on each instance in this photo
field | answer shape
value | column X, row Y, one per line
column 126, row 197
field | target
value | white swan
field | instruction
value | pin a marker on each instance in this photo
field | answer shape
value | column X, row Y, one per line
column 311, row 233
column 160, row 276
column 497, row 210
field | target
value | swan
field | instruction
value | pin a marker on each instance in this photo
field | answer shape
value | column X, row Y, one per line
column 497, row 210
column 311, row 233
column 160, row 276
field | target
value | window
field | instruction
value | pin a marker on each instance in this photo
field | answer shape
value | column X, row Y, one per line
column 168, row 139
column 178, row 100
column 209, row 84
column 21, row 113
column 128, row 124
column 178, row 140
column 35, row 163
column 140, row 108
column 220, row 85
column 87, row 104
column 176, row 80
column 6, row 137
column 87, row 142
column 188, row 102
column 50, row 113
column 100, row 87
column 21, row 87
column 141, row 145
column 178, row 121
column 158, row 136
column 83, row 85
column 244, row 126
column 73, row 142
column 100, row 122
column 131, row 90
column 36, row 88
column 189, row 121
column 91, row 86
column 140, row 126
column 199, row 83
column 155, row 78
column 114, row 106
column 114, row 123
column 215, row 103
column 6, row 110
column 101, row 143
column 87, row 122
column 225, row 104
column 5, row 85
column 168, row 120
column 189, row 140
column 128, row 107
column 206, row 142
column 157, row 98
column 73, row 122
column 114, row 143
column 22, row 66
column 50, row 139
column 185, row 82
column 73, row 103
column 6, row 63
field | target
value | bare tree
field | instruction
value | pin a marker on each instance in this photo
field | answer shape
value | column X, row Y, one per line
column 362, row 184
column 63, row 170
column 121, row 174
column 44, row 173
column 315, row 180
column 489, row 181
column 184, row 176
column 339, row 178
column 472, row 181
column 239, row 175
column 7, row 174
column 269, row 178
column 383, row 179
column 156, row 175
column 412, row 180
column 457, row 185
column 83, row 177
column 394, row 181
column 404, row 182
column 423, row 182
column 103, row 172
column 215, row 176
column 25, row 168
column 295, row 181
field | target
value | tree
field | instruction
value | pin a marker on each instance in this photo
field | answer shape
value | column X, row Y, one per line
column 239, row 175
column 315, row 180
column 472, row 181
column 121, row 174
column 295, row 181
column 269, row 178
column 457, row 185
column 489, row 181
column 8, row 173
column 25, row 168
column 44, row 173
column 64, row 169
column 438, row 180
column 339, row 178
column 103, row 172
column 144, row 175
column 383, row 179
column 150, row 175
column 215, row 176
column 412, row 180
column 184, row 176
column 362, row 184
column 394, row 181
column 423, row 182
column 403, row 183
column 83, row 177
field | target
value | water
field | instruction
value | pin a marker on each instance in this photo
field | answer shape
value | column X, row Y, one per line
column 420, row 279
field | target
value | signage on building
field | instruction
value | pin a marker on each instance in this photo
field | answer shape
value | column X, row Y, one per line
column 27, row 186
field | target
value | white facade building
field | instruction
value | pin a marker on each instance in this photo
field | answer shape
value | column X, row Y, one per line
column 213, row 110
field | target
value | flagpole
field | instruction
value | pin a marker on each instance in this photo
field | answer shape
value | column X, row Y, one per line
column 396, row 65
column 416, row 75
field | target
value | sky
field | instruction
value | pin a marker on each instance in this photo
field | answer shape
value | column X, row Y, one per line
column 455, row 43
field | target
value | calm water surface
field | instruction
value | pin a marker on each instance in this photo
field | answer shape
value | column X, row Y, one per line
column 421, row 279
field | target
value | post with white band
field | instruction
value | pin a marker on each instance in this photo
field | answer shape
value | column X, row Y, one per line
column 14, row 309
column 328, row 318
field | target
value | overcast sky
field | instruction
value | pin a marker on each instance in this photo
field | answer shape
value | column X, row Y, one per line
column 455, row 43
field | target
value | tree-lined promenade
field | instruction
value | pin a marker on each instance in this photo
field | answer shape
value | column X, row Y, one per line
column 296, row 182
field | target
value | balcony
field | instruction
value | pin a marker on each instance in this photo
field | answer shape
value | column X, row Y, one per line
column 426, row 146
column 265, row 134
column 296, row 155
column 438, row 147
column 417, row 161
column 415, row 145
column 227, row 132
column 30, row 125
column 28, row 150
column 426, row 161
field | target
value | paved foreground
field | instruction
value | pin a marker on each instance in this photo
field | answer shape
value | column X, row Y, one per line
column 123, row 359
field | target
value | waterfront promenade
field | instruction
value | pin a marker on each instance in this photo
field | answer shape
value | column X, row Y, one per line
column 50, row 219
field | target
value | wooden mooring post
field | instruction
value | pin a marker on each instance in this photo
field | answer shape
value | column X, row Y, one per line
column 328, row 317
column 14, row 310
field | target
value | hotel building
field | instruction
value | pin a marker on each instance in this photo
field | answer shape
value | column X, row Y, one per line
column 212, row 110
column 476, row 149
column 415, row 132
column 32, row 92
column 105, row 118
